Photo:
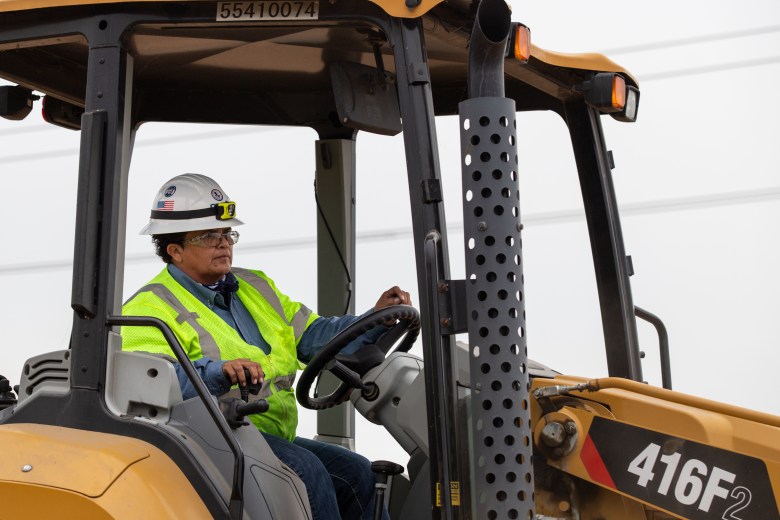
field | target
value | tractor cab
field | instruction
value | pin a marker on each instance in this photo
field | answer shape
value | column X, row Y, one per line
column 335, row 73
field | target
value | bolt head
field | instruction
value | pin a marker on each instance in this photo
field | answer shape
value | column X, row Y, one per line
column 553, row 434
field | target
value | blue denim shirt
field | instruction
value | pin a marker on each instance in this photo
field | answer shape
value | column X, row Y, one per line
column 237, row 316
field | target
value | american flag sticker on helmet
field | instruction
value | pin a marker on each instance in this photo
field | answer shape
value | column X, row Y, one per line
column 165, row 205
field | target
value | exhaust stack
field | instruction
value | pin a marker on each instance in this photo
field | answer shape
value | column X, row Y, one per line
column 501, row 436
column 488, row 48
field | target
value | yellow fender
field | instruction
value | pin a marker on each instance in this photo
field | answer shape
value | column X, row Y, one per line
column 56, row 472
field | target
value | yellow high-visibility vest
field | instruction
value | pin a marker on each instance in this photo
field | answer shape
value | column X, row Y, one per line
column 201, row 333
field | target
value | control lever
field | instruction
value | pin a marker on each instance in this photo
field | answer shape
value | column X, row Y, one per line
column 240, row 408
column 369, row 390
column 250, row 388
column 384, row 470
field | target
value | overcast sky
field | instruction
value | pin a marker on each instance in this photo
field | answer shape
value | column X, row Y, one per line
column 697, row 178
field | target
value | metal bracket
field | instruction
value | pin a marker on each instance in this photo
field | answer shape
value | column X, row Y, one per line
column 431, row 189
column 418, row 74
column 451, row 297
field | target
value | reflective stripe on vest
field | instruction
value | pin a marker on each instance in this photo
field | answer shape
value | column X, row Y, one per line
column 207, row 344
column 261, row 285
column 279, row 383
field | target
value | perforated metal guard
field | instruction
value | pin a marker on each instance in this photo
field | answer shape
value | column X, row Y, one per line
column 501, row 429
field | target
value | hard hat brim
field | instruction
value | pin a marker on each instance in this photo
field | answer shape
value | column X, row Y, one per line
column 162, row 227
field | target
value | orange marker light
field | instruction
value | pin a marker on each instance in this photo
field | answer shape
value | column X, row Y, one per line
column 522, row 48
column 618, row 92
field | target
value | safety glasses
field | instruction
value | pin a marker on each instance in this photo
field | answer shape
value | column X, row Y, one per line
column 213, row 238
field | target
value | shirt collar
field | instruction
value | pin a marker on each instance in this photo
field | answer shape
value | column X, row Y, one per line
column 204, row 294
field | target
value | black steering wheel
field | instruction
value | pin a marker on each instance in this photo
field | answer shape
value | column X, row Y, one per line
column 408, row 324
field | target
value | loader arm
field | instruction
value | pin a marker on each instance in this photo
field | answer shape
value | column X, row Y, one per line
column 638, row 451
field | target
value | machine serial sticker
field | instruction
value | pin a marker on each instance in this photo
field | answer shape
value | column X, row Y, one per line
column 694, row 480
column 454, row 494
column 266, row 10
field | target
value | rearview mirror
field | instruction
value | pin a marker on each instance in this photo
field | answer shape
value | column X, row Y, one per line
column 366, row 98
column 62, row 113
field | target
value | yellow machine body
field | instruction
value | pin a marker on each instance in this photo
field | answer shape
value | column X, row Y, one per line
column 623, row 449
column 56, row 472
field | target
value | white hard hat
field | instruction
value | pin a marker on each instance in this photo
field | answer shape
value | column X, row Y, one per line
column 190, row 202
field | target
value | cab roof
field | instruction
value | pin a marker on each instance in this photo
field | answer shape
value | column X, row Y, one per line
column 190, row 67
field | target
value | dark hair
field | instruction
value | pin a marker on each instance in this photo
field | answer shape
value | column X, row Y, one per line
column 161, row 243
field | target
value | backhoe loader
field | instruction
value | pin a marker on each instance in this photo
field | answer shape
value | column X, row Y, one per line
column 92, row 431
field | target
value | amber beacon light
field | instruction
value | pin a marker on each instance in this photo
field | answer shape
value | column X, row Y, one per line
column 609, row 93
column 521, row 42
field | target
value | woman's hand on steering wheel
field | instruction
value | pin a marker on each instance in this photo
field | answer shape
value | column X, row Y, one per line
column 393, row 296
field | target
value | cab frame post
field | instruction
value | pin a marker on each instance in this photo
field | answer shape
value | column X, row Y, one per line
column 335, row 188
column 448, row 449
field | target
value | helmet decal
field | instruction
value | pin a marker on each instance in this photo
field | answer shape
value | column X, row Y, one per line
column 170, row 190
column 217, row 194
column 165, row 205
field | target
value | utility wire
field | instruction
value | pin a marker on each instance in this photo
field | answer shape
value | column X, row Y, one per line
column 720, row 67
column 693, row 40
column 26, row 130
column 664, row 206
column 162, row 141
column 531, row 220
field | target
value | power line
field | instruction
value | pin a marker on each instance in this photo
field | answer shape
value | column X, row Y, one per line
column 26, row 130
column 665, row 205
column 693, row 40
column 549, row 218
column 162, row 141
column 692, row 71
